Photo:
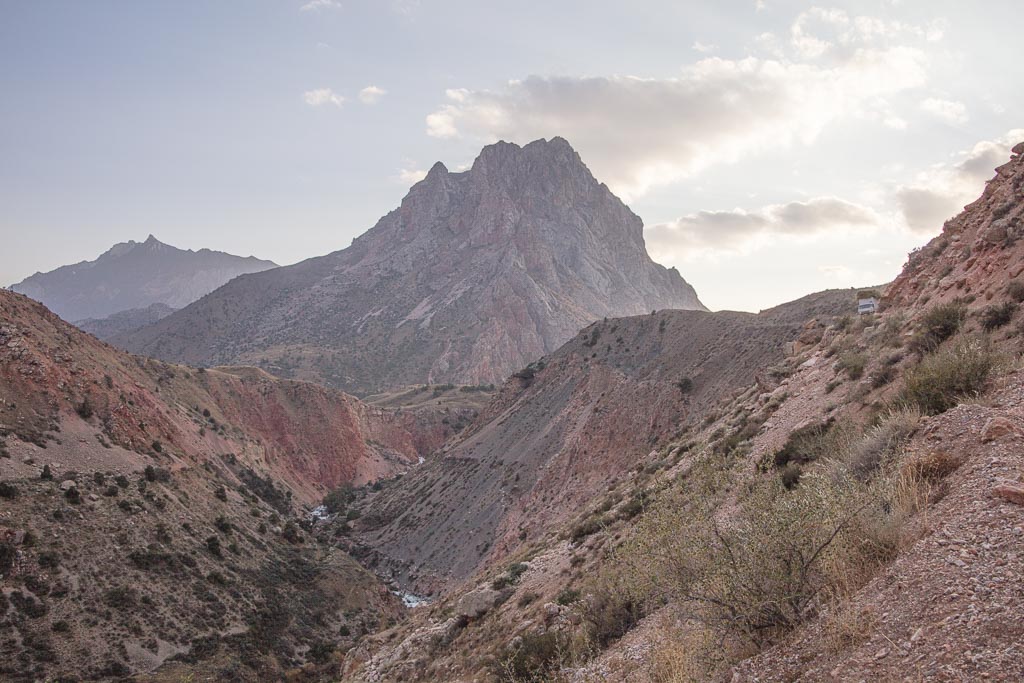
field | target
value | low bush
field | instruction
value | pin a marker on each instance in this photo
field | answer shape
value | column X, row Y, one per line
column 213, row 546
column 882, row 442
column 533, row 657
column 852, row 364
column 937, row 325
column 527, row 598
column 810, row 443
column 338, row 499
column 156, row 474
column 1015, row 290
column 567, row 596
column 121, row 597
column 941, row 381
column 997, row 315
column 591, row 525
column 610, row 611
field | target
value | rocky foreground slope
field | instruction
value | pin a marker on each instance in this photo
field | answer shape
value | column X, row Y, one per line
column 151, row 515
column 135, row 275
column 475, row 275
column 853, row 515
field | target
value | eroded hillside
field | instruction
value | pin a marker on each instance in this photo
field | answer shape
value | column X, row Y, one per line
column 565, row 428
column 854, row 515
column 152, row 515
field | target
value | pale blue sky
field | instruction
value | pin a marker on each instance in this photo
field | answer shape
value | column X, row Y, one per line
column 771, row 148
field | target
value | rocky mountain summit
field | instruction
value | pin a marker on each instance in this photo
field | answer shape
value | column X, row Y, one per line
column 476, row 274
column 135, row 275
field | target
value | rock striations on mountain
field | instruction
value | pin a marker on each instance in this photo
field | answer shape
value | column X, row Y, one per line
column 135, row 275
column 476, row 274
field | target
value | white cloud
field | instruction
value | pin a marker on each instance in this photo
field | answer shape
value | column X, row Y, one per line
column 317, row 5
column 941, row 191
column 371, row 94
column 831, row 66
column 695, row 235
column 410, row 176
column 322, row 96
column 717, row 110
column 704, row 47
column 947, row 110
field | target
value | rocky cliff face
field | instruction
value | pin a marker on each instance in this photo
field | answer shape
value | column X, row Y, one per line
column 134, row 275
column 978, row 252
column 473, row 276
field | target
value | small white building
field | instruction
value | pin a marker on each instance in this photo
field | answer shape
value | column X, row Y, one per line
column 867, row 306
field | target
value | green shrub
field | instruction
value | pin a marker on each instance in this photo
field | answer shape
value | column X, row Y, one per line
column 790, row 475
column 84, row 409
column 808, row 444
column 8, row 491
column 610, row 611
column 852, row 364
column 7, row 556
column 567, row 596
column 338, row 499
column 685, row 385
column 533, row 657
column 937, row 325
column 757, row 578
column 517, row 569
column 527, row 598
column 156, row 474
column 49, row 559
column 1015, row 290
column 213, row 546
column 997, row 315
column 941, row 381
column 590, row 525
column 121, row 597
column 883, row 442
column 883, row 376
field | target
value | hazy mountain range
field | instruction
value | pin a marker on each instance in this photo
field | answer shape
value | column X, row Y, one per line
column 135, row 275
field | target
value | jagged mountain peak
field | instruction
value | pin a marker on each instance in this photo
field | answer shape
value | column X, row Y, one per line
column 474, row 275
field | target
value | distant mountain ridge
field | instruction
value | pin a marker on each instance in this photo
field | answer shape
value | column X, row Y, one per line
column 476, row 274
column 135, row 275
column 124, row 321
